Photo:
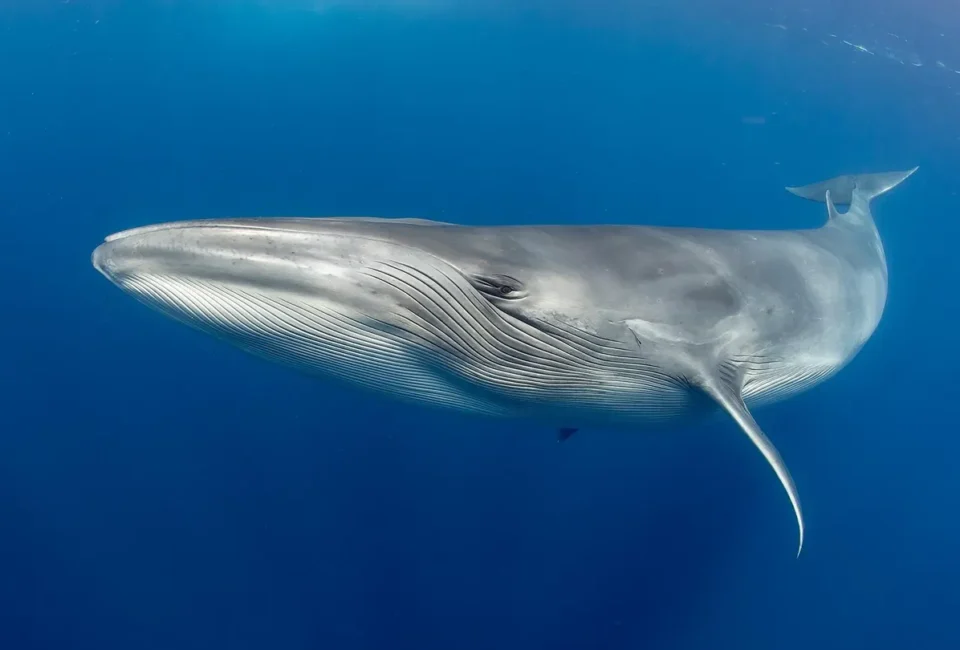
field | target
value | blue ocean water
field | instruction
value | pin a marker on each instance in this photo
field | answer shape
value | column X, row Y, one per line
column 159, row 489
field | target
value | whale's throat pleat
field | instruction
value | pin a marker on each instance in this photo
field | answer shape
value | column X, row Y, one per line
column 309, row 336
column 444, row 346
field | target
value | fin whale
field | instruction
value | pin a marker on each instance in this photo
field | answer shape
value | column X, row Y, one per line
column 580, row 325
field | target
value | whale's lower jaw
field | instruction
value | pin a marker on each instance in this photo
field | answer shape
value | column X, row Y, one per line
column 581, row 386
column 312, row 338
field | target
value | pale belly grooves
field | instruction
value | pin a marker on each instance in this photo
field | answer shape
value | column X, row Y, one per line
column 269, row 328
column 451, row 349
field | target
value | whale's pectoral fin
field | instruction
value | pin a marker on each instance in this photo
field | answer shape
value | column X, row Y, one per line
column 724, row 387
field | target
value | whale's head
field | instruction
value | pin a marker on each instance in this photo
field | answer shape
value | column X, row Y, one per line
column 400, row 306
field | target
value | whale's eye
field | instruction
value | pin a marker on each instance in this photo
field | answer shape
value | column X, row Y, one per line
column 499, row 286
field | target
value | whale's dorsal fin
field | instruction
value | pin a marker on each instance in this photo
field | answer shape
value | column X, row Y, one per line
column 724, row 387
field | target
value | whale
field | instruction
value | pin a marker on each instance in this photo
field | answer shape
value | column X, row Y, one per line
column 632, row 327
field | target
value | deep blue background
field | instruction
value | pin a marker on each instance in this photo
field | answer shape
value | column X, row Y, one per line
column 161, row 490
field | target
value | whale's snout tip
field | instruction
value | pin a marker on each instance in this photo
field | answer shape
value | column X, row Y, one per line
column 99, row 258
column 103, row 259
column 116, row 249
